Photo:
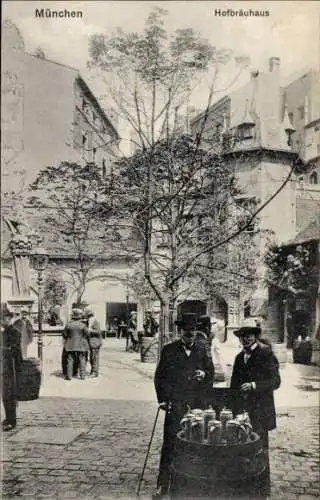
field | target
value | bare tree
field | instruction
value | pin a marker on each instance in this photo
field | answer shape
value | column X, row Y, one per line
column 68, row 198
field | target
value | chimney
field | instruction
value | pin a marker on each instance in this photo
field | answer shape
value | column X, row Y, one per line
column 274, row 64
column 254, row 74
column 40, row 53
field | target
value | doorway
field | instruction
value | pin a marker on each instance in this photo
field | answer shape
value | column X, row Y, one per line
column 116, row 313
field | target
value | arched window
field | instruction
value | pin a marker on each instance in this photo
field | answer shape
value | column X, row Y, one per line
column 313, row 178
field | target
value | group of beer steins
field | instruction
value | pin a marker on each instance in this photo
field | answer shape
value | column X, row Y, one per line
column 203, row 426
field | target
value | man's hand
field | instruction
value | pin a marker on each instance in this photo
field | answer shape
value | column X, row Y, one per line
column 165, row 406
column 248, row 386
column 199, row 375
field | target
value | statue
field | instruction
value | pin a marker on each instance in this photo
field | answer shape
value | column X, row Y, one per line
column 20, row 247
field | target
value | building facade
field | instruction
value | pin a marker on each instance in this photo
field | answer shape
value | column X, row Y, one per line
column 270, row 135
column 49, row 115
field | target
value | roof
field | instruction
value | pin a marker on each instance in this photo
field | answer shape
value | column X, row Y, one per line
column 84, row 87
column 310, row 233
column 94, row 100
column 98, row 245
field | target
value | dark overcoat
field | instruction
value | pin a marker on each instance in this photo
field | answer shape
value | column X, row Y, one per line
column 76, row 336
column 11, row 359
column 174, row 376
column 262, row 367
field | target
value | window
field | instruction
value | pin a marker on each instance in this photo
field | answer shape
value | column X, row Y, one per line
column 314, row 178
column 245, row 133
column 301, row 112
column 84, row 138
column 291, row 117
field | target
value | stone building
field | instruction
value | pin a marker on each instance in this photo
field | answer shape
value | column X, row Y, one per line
column 270, row 134
column 49, row 114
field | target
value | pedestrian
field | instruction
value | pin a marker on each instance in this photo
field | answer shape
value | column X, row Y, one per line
column 95, row 341
column 11, row 366
column 183, row 375
column 76, row 335
column 132, row 330
column 150, row 324
column 26, row 333
column 206, row 331
column 122, row 330
column 254, row 377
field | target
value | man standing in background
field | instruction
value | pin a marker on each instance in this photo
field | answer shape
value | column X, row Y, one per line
column 76, row 336
column 95, row 340
column 26, row 332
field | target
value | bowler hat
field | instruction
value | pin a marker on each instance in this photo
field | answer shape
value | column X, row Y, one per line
column 76, row 314
column 5, row 311
column 187, row 321
column 248, row 325
column 88, row 312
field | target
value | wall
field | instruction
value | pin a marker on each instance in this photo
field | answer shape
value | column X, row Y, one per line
column 48, row 114
column 13, row 171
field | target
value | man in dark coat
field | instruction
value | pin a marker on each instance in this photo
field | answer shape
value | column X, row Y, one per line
column 254, row 378
column 76, row 336
column 183, row 375
column 95, row 340
column 150, row 325
column 11, row 365
column 27, row 332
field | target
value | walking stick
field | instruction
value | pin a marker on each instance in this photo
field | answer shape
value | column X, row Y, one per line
column 148, row 450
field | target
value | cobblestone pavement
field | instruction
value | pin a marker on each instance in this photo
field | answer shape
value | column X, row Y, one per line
column 98, row 444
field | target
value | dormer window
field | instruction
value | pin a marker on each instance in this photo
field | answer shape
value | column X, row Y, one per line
column 245, row 129
column 287, row 126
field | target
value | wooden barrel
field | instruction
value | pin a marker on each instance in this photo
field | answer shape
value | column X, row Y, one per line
column 29, row 380
column 149, row 350
column 280, row 351
column 201, row 469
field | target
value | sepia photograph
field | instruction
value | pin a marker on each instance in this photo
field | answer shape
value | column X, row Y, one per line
column 160, row 250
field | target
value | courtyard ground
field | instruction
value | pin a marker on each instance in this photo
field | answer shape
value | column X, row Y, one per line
column 88, row 439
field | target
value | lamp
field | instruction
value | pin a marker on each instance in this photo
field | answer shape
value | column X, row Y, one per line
column 40, row 260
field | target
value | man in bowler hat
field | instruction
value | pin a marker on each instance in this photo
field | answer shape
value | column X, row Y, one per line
column 76, row 336
column 254, row 377
column 184, row 373
column 95, row 340
column 11, row 366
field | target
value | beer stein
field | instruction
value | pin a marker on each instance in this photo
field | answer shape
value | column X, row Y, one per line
column 186, row 425
column 244, row 420
column 235, row 432
column 197, row 412
column 225, row 416
column 208, row 415
column 197, row 428
column 215, row 432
